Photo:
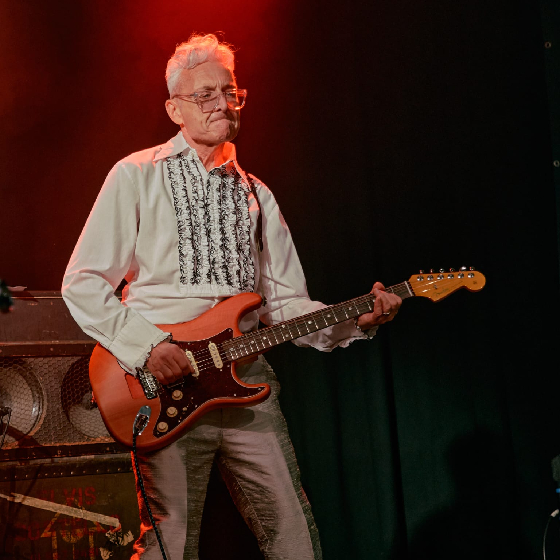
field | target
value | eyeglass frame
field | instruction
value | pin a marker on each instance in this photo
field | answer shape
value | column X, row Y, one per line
column 185, row 97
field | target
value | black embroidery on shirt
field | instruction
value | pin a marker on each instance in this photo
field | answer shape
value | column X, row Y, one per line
column 246, row 270
column 226, row 182
column 196, row 204
column 213, row 224
column 184, row 219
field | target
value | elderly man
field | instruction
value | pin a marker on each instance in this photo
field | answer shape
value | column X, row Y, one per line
column 180, row 222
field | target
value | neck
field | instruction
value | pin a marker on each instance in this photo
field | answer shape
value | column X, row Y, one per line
column 210, row 156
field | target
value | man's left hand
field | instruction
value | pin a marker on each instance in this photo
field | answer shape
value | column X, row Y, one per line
column 385, row 307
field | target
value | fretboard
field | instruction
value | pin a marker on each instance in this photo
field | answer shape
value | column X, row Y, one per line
column 263, row 339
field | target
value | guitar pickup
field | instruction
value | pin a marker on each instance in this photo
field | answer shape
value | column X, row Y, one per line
column 215, row 353
column 191, row 359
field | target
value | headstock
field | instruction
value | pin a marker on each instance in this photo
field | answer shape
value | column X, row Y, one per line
column 438, row 285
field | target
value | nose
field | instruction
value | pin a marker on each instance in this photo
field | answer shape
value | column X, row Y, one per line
column 222, row 103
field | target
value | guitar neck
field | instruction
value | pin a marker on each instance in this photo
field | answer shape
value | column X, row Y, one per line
column 257, row 341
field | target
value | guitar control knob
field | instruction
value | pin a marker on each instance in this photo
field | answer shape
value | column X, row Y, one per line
column 470, row 275
column 420, row 278
column 171, row 411
column 430, row 277
column 177, row 395
column 450, row 276
column 460, row 275
column 440, row 276
column 162, row 427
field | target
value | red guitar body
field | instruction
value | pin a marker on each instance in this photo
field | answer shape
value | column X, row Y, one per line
column 176, row 407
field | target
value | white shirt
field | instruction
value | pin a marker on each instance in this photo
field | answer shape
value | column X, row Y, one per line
column 134, row 231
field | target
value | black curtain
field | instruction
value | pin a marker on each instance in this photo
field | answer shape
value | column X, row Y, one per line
column 396, row 136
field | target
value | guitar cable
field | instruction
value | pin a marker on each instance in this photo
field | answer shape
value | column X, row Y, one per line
column 140, row 422
column 553, row 515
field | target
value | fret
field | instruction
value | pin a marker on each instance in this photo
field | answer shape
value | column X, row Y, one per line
column 275, row 333
column 265, row 341
column 254, row 341
column 324, row 322
column 336, row 314
column 283, row 332
column 329, row 317
column 310, row 325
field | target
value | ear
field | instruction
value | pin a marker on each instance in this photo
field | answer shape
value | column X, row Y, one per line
column 173, row 111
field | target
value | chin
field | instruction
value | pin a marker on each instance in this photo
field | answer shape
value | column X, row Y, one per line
column 225, row 131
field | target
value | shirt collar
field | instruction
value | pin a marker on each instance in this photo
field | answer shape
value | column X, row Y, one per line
column 178, row 144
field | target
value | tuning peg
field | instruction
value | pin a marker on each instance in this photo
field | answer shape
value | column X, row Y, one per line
column 442, row 270
column 420, row 271
column 432, row 270
column 463, row 268
column 471, row 267
column 451, row 270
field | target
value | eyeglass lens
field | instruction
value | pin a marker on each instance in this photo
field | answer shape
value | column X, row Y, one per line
column 235, row 100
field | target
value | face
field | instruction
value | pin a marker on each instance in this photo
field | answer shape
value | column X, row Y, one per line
column 208, row 129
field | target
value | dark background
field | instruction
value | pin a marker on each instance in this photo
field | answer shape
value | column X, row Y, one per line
column 396, row 135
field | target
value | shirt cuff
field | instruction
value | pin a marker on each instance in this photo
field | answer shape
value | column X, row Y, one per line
column 369, row 333
column 135, row 341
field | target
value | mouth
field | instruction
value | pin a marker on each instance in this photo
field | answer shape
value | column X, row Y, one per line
column 219, row 118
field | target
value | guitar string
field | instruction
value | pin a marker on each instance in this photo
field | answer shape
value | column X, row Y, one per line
column 256, row 338
column 226, row 349
column 293, row 327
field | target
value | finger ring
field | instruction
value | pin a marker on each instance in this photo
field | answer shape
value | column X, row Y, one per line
column 387, row 313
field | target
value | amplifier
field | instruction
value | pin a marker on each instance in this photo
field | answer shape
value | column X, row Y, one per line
column 45, row 396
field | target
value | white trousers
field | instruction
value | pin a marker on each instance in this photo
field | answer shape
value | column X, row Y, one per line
column 257, row 462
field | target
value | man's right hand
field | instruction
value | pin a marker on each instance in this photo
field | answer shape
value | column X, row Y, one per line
column 168, row 363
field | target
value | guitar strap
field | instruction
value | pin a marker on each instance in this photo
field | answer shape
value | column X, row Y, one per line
column 259, row 217
column 259, row 232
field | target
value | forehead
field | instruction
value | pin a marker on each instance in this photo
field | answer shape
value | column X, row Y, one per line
column 208, row 75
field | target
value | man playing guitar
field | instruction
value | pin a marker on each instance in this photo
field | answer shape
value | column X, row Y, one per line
column 188, row 228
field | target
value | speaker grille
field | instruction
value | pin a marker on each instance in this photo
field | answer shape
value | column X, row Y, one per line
column 50, row 398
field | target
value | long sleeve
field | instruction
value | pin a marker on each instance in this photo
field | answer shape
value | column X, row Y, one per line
column 283, row 283
column 103, row 256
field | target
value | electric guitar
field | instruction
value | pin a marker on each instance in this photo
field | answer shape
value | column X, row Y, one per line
column 214, row 344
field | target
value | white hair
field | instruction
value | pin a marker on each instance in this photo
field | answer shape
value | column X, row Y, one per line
column 195, row 51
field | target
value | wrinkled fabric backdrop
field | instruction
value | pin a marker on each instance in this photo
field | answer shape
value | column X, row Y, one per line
column 395, row 136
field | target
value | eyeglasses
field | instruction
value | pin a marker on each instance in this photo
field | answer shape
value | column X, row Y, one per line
column 207, row 101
